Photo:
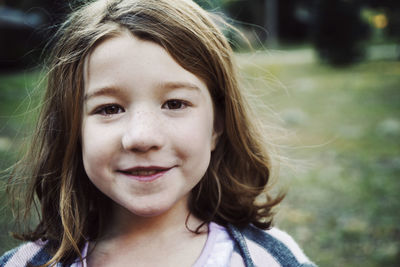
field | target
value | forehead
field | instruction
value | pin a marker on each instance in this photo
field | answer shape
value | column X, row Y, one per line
column 125, row 60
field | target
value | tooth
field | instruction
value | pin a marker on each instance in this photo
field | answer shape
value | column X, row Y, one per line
column 144, row 172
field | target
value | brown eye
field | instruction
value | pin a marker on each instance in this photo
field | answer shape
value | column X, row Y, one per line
column 110, row 110
column 174, row 104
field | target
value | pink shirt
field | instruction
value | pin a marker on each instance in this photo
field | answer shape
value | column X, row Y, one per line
column 217, row 251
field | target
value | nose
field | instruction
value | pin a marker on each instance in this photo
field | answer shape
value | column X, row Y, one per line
column 143, row 132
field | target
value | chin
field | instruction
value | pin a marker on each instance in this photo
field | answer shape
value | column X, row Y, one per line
column 148, row 212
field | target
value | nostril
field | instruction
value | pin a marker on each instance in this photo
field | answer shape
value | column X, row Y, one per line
column 140, row 141
column 144, row 130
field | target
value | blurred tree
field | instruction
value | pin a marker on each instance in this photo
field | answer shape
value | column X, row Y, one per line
column 248, row 12
column 338, row 31
column 391, row 9
column 52, row 10
column 27, row 25
column 278, row 21
column 294, row 19
column 271, row 21
column 20, row 39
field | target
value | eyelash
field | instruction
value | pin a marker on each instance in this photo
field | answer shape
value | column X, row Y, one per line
column 102, row 110
column 182, row 104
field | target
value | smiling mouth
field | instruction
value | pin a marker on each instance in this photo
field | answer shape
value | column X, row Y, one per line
column 145, row 174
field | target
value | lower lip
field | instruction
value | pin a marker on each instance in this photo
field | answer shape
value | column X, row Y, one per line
column 146, row 178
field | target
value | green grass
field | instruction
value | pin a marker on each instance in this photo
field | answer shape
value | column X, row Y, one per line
column 344, row 124
column 343, row 203
column 18, row 99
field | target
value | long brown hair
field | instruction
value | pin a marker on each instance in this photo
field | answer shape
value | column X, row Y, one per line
column 71, row 207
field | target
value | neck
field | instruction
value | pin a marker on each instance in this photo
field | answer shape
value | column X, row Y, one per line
column 128, row 226
column 130, row 238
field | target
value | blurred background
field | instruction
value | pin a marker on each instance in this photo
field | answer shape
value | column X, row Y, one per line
column 329, row 69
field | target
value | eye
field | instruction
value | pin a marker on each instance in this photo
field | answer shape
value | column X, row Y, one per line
column 109, row 110
column 175, row 104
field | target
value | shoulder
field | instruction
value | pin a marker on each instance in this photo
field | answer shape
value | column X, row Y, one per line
column 34, row 253
column 273, row 246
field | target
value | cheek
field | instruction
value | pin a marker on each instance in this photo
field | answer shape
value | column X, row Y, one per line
column 98, row 148
column 195, row 141
column 196, row 131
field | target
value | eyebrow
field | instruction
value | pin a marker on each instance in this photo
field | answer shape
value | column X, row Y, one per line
column 178, row 85
column 116, row 92
column 102, row 92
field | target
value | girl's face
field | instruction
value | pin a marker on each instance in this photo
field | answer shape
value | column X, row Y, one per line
column 147, row 130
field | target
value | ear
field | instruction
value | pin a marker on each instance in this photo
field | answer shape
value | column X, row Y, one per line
column 217, row 132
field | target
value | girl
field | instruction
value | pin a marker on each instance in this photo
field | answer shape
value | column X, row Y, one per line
column 145, row 154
